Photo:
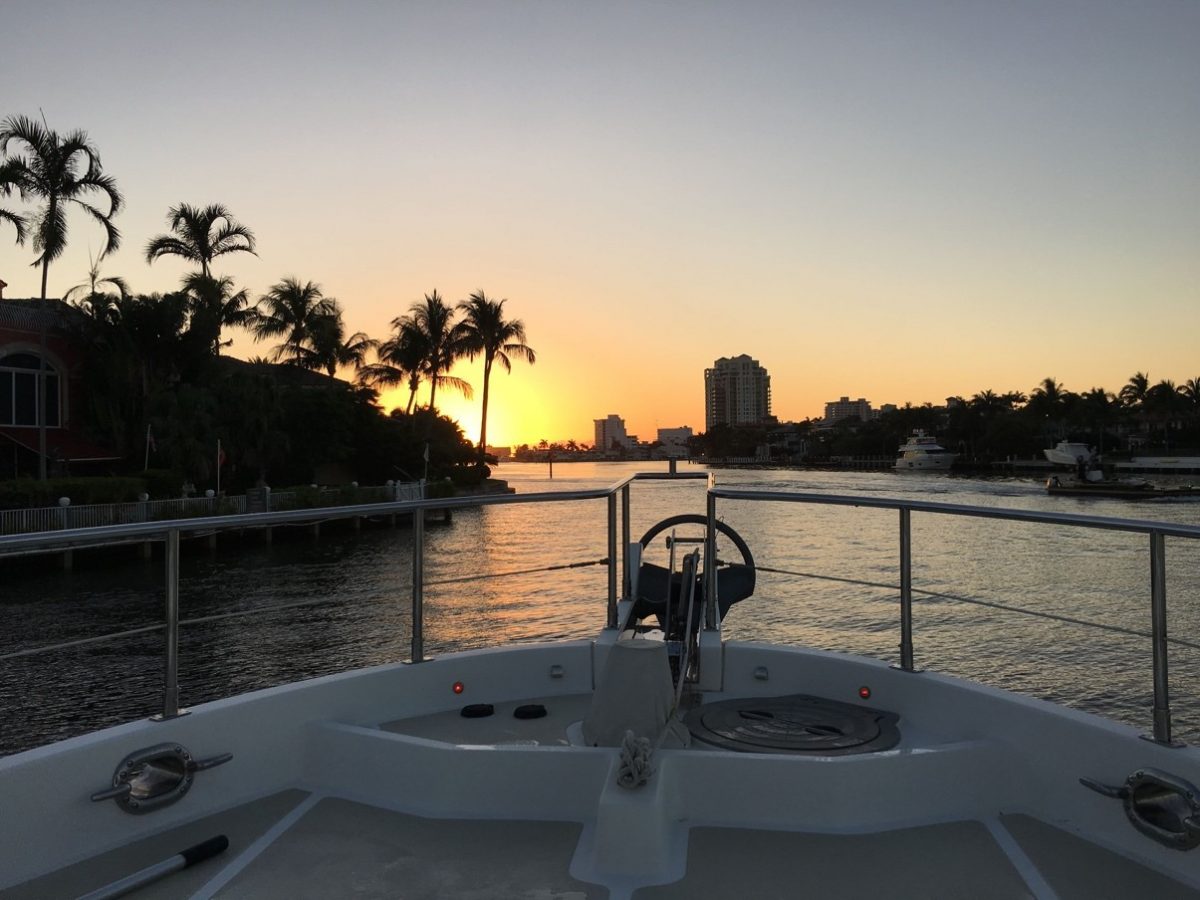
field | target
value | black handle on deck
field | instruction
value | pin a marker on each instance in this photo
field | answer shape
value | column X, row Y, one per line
column 204, row 850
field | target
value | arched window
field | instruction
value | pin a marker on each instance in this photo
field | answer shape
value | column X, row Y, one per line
column 19, row 390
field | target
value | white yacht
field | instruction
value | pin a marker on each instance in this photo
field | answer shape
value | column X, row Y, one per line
column 655, row 760
column 1069, row 453
column 922, row 451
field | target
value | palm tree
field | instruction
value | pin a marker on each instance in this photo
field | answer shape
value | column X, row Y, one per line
column 201, row 235
column 1047, row 403
column 1190, row 389
column 400, row 360
column 292, row 310
column 330, row 349
column 134, row 348
column 486, row 331
column 17, row 221
column 52, row 169
column 92, row 285
column 1134, row 392
column 1166, row 404
column 59, row 170
column 214, row 306
column 443, row 338
column 1013, row 399
column 1097, row 410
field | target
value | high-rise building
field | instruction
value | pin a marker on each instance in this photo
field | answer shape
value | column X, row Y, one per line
column 610, row 431
column 737, row 391
column 845, row 408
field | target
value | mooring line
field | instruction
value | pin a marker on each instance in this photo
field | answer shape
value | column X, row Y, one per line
column 991, row 604
column 574, row 565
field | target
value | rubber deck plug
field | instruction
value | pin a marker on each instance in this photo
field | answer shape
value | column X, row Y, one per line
column 529, row 711
column 477, row 710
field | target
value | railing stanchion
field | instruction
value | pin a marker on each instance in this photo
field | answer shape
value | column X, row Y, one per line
column 906, row 633
column 710, row 564
column 1158, row 615
column 418, row 586
column 170, row 709
column 626, row 577
column 612, row 561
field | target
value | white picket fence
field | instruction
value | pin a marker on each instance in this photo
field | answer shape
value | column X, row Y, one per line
column 54, row 518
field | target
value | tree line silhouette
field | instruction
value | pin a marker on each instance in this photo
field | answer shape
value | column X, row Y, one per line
column 153, row 367
column 991, row 426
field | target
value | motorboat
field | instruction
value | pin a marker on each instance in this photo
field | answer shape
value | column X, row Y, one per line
column 657, row 759
column 1117, row 489
column 1070, row 453
column 922, row 452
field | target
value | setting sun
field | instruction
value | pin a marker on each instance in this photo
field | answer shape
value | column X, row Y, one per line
column 515, row 414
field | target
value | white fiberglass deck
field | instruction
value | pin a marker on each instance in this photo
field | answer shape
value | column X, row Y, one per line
column 298, row 845
column 381, row 822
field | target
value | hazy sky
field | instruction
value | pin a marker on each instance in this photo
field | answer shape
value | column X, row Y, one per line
column 895, row 200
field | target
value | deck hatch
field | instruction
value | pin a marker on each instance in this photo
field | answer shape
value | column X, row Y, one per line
column 797, row 723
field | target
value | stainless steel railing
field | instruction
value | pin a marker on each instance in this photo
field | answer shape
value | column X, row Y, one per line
column 171, row 531
column 1156, row 531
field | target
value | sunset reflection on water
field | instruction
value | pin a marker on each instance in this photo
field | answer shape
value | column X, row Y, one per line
column 366, row 579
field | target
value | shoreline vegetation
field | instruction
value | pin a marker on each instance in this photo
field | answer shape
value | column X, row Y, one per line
column 987, row 430
column 156, row 391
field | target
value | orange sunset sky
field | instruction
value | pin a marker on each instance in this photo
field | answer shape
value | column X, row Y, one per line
column 900, row 201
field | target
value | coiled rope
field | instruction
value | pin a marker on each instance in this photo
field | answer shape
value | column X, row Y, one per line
column 637, row 756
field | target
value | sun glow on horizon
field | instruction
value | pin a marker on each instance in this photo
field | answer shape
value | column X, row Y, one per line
column 656, row 192
column 508, row 425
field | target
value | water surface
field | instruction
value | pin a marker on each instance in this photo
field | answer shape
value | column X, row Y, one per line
column 363, row 584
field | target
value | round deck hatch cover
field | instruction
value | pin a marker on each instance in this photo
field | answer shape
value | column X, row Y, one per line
column 797, row 723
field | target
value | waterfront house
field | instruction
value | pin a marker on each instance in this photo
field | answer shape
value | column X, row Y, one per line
column 32, row 331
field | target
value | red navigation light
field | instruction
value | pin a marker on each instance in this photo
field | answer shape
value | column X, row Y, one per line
column 864, row 692
column 459, row 687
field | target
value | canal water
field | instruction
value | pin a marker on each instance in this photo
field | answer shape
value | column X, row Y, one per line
column 343, row 600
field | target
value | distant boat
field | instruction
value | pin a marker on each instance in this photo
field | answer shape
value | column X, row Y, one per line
column 1116, row 490
column 1068, row 453
column 922, row 451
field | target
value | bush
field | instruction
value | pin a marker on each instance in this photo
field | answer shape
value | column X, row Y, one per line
column 435, row 490
column 23, row 493
column 305, row 496
column 163, row 484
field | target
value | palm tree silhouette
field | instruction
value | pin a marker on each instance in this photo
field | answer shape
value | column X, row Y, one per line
column 330, row 348
column 216, row 305
column 1190, row 389
column 443, row 339
column 295, row 311
column 92, row 286
column 201, row 235
column 17, row 221
column 53, row 169
column 61, row 171
column 1133, row 394
column 400, row 361
column 486, row 331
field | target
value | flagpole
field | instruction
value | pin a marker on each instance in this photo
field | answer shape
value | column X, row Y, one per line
column 218, row 467
column 146, row 467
